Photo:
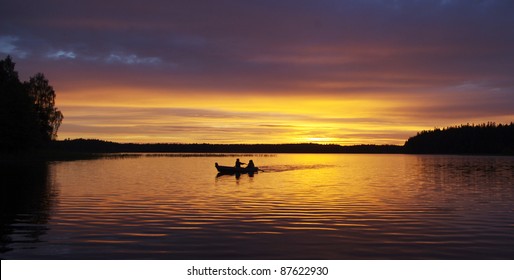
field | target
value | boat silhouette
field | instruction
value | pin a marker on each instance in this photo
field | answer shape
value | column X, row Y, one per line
column 235, row 170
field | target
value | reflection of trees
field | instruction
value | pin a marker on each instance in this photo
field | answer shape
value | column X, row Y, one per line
column 27, row 194
column 462, row 181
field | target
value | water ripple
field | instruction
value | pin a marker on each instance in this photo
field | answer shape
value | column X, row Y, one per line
column 302, row 206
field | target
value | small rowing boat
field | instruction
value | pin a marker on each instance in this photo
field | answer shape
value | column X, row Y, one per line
column 235, row 170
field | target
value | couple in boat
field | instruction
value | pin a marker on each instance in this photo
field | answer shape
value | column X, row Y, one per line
column 237, row 168
column 250, row 165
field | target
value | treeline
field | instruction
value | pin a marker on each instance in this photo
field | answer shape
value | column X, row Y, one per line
column 99, row 146
column 488, row 138
column 28, row 116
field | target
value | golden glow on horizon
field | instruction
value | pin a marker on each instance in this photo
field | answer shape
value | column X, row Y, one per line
column 151, row 116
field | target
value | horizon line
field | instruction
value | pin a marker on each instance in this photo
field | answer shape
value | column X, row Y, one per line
column 223, row 144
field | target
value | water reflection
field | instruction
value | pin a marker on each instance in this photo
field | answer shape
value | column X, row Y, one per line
column 475, row 179
column 27, row 197
column 300, row 207
column 276, row 168
column 293, row 167
column 237, row 175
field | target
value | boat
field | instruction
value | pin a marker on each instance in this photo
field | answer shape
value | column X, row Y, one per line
column 235, row 170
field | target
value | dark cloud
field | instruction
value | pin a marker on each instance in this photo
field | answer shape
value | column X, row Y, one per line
column 268, row 44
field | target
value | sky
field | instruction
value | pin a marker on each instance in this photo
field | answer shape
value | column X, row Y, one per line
column 268, row 71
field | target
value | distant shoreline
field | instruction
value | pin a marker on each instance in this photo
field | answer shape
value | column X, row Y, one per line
column 100, row 146
column 198, row 150
column 483, row 139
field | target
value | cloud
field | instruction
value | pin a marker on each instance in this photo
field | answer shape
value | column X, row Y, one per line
column 62, row 55
column 132, row 59
column 190, row 125
column 8, row 47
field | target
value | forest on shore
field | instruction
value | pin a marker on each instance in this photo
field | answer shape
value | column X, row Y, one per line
column 100, row 146
column 485, row 139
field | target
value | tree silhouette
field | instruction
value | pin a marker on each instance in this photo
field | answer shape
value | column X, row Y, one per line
column 487, row 138
column 28, row 117
column 43, row 95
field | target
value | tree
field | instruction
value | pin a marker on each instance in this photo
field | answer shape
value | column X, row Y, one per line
column 43, row 95
column 28, row 117
column 55, row 121
column 18, row 126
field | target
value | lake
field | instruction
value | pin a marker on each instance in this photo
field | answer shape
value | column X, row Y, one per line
column 301, row 206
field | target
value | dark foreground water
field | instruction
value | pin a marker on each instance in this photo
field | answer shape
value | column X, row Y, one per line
column 302, row 207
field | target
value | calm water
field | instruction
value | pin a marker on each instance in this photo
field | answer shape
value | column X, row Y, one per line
column 301, row 207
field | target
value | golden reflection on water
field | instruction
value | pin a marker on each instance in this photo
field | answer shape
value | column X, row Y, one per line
column 300, row 206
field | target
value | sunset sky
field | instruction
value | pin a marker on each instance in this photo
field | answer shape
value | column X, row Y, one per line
column 281, row 71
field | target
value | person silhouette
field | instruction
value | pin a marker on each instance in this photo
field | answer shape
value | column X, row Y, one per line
column 238, row 163
column 250, row 165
